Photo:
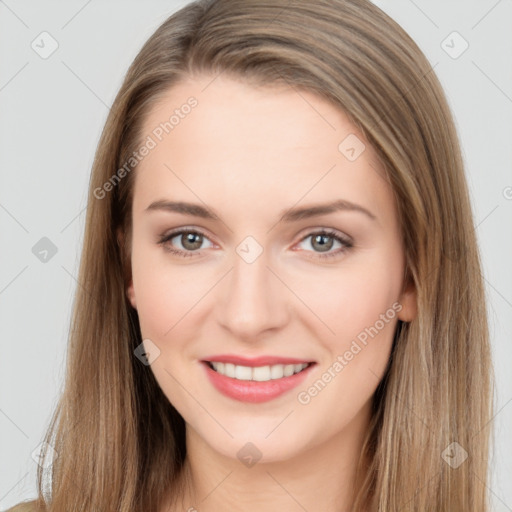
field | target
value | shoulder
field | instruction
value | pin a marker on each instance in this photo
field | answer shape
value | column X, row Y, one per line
column 26, row 506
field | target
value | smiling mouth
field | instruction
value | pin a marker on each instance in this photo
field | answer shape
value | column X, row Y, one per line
column 257, row 373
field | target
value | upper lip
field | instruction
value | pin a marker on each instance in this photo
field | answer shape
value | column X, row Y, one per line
column 254, row 361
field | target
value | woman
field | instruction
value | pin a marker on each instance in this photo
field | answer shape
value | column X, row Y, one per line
column 219, row 360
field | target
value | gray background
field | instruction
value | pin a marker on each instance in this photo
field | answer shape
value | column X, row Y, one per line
column 52, row 112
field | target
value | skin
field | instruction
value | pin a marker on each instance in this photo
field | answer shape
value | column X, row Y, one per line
column 250, row 153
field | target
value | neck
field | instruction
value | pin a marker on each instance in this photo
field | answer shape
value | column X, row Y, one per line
column 323, row 477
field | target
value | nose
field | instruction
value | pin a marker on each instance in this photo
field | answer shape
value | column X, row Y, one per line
column 253, row 299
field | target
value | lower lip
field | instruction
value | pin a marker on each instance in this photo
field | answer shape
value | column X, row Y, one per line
column 254, row 391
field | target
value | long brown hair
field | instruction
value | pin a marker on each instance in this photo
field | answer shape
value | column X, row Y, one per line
column 120, row 443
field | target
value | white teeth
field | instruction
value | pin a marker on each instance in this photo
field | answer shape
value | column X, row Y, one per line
column 229, row 369
column 276, row 371
column 243, row 372
column 258, row 373
column 289, row 369
column 261, row 373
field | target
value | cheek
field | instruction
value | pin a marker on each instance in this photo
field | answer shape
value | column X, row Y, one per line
column 354, row 298
column 165, row 292
column 363, row 316
column 359, row 305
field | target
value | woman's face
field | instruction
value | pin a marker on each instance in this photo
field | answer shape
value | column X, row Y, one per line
column 253, row 276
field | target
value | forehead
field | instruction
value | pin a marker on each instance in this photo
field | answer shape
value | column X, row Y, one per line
column 299, row 118
column 274, row 144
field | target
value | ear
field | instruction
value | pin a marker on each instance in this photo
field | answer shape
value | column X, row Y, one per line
column 130, row 292
column 408, row 300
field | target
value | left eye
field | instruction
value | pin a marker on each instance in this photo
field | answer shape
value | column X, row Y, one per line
column 192, row 240
column 325, row 240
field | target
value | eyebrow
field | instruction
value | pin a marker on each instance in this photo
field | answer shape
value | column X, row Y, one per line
column 288, row 215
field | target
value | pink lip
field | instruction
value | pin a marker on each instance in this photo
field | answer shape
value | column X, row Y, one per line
column 255, row 361
column 254, row 391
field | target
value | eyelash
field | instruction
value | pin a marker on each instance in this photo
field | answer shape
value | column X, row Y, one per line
column 347, row 243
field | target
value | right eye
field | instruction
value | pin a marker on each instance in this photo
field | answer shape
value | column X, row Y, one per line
column 189, row 239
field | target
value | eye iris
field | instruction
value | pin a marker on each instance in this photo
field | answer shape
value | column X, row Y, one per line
column 189, row 238
column 321, row 238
